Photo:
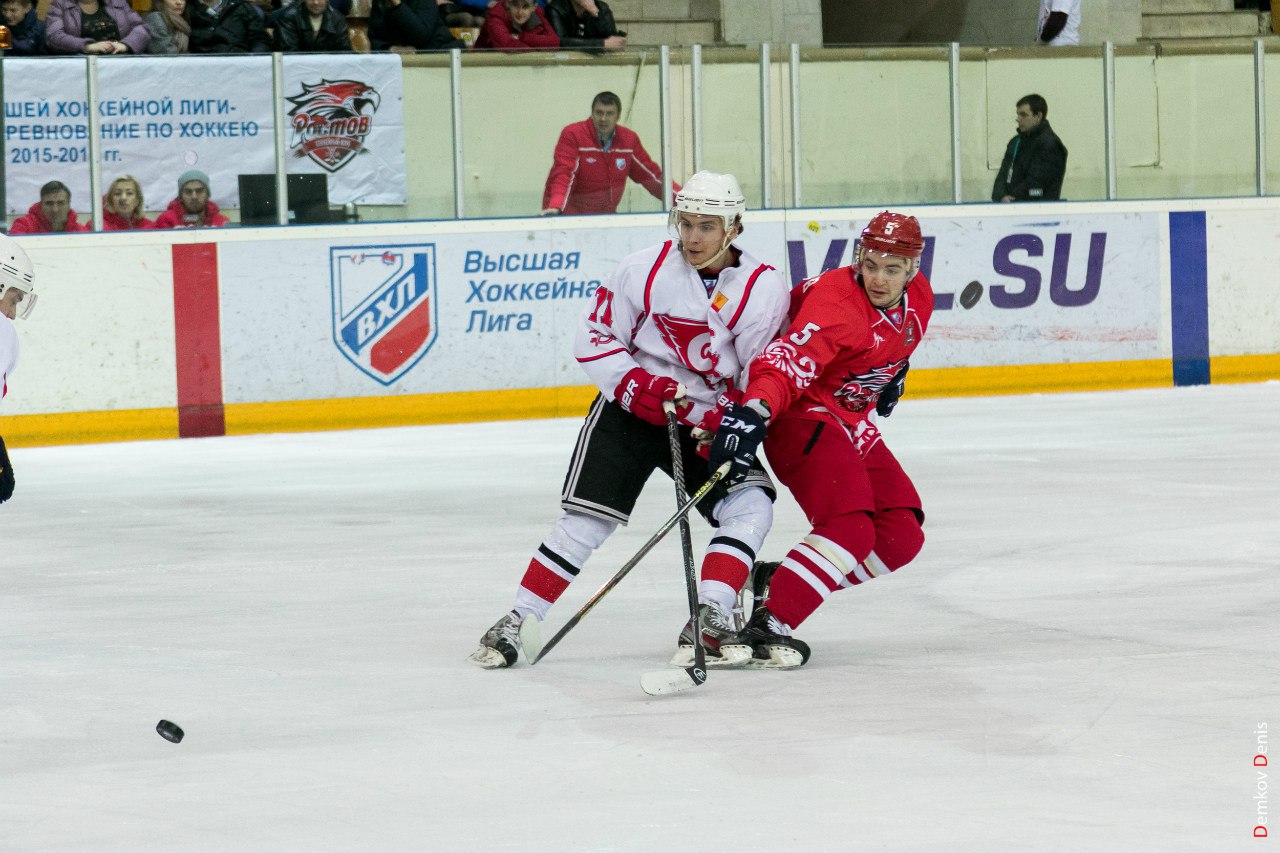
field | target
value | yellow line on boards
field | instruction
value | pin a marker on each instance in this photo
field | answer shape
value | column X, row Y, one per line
column 572, row 401
column 408, row 410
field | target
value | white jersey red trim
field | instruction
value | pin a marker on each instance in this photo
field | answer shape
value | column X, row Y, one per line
column 655, row 313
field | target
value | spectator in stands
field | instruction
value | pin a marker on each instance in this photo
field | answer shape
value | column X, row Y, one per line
column 585, row 25
column 170, row 27
column 192, row 208
column 51, row 214
column 516, row 25
column 25, row 29
column 1034, row 160
column 312, row 26
column 94, row 26
column 1059, row 23
column 409, row 25
column 593, row 160
column 122, row 206
column 465, row 13
column 227, row 26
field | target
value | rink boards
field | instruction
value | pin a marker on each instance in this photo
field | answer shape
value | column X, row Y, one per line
column 166, row 334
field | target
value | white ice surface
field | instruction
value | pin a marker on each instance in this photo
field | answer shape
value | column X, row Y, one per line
column 1077, row 661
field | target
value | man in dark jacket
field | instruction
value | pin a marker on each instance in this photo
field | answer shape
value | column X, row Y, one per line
column 312, row 26
column 26, row 30
column 585, row 25
column 409, row 23
column 227, row 26
column 1035, row 159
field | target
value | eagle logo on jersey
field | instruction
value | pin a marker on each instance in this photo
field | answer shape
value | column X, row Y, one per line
column 384, row 306
column 784, row 356
column 691, row 342
column 331, row 119
column 859, row 392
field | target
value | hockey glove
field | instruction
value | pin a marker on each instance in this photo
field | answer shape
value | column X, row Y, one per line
column 705, row 430
column 642, row 394
column 6, row 474
column 890, row 393
column 737, row 441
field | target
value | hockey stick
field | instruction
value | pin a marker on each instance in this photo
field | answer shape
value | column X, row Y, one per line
column 530, row 636
column 668, row 681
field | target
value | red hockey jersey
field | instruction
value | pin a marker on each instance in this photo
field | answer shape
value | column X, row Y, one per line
column 839, row 351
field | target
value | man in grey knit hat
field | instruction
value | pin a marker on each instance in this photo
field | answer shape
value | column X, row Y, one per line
column 192, row 208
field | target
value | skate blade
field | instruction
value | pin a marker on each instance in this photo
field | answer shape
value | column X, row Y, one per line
column 729, row 656
column 488, row 658
column 780, row 657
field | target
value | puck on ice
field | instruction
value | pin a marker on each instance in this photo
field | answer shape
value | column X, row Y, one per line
column 970, row 295
column 169, row 731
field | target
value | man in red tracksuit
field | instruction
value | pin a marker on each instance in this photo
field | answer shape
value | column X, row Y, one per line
column 593, row 160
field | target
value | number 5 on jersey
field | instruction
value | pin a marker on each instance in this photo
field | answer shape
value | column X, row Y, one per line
column 801, row 337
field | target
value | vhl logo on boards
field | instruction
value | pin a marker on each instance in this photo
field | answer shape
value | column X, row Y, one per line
column 384, row 306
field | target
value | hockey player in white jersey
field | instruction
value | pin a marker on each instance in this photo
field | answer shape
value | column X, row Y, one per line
column 16, row 300
column 678, row 321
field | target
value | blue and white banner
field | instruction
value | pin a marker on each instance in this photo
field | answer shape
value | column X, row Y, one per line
column 160, row 116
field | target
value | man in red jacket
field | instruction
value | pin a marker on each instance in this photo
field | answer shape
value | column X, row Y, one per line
column 192, row 208
column 51, row 214
column 516, row 25
column 593, row 160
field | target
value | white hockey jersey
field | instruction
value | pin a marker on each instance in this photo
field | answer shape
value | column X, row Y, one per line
column 8, row 353
column 655, row 313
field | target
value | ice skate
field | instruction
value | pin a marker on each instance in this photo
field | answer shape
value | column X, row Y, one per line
column 717, row 627
column 756, row 589
column 500, row 645
column 768, row 643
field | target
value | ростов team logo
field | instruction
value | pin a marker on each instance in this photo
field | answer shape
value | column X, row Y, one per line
column 331, row 119
column 384, row 306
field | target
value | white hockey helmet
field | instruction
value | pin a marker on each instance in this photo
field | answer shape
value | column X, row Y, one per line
column 16, row 271
column 711, row 194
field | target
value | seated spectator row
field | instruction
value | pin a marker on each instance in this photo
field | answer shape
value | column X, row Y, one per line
column 123, row 208
column 108, row 27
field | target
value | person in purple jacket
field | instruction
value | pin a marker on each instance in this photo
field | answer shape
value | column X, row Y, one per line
column 95, row 26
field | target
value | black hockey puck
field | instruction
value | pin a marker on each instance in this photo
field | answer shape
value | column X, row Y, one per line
column 970, row 295
column 171, row 732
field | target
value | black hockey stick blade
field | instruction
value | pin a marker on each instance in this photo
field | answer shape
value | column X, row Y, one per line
column 664, row 682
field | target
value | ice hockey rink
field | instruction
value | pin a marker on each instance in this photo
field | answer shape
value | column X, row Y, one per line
column 1081, row 659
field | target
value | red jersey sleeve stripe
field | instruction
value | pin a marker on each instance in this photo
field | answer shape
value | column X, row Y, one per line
column 653, row 273
column 746, row 293
column 584, row 360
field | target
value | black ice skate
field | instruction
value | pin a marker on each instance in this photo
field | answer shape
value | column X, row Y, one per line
column 718, row 627
column 758, row 583
column 500, row 645
column 770, row 642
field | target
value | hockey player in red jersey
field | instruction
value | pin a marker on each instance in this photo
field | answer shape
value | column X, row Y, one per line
column 679, row 322
column 815, row 393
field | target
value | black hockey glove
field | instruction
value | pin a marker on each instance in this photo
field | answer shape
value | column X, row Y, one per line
column 6, row 473
column 890, row 393
column 737, row 441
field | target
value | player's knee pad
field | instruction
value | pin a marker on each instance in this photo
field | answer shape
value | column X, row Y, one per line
column 844, row 540
column 577, row 535
column 899, row 537
column 745, row 515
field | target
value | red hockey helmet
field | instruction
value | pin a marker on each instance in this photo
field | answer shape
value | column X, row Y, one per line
column 894, row 234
